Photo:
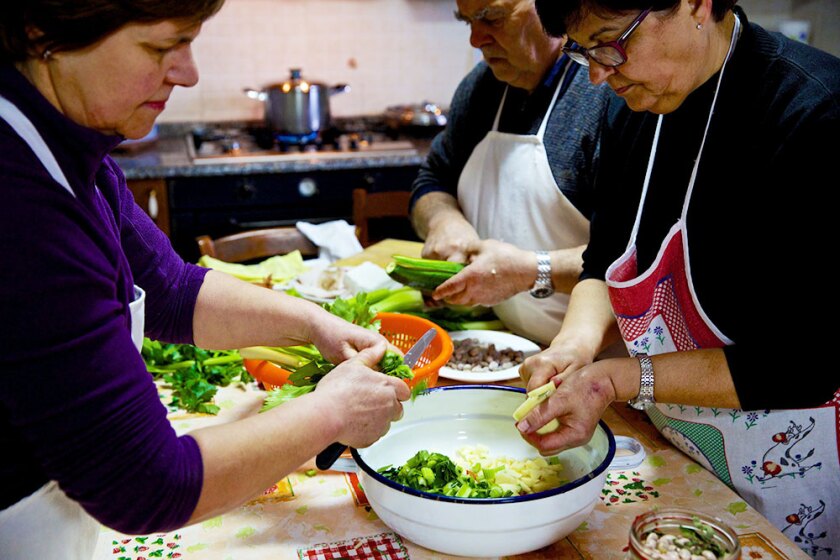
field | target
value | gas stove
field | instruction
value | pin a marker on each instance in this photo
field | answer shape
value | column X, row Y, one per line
column 225, row 144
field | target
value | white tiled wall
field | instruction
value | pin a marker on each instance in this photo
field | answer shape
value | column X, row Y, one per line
column 389, row 52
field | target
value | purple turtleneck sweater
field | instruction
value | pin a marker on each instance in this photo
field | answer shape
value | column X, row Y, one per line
column 76, row 403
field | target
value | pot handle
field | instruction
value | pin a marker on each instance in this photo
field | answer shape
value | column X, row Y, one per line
column 626, row 461
column 255, row 94
column 339, row 88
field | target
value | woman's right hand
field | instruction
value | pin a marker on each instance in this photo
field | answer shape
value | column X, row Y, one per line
column 449, row 239
column 364, row 401
column 561, row 357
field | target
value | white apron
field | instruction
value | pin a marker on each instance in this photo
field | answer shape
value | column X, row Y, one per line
column 785, row 463
column 507, row 192
column 72, row 532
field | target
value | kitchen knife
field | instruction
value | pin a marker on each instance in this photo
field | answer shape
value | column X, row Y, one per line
column 328, row 456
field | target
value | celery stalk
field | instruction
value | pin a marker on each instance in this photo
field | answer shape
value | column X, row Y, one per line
column 275, row 355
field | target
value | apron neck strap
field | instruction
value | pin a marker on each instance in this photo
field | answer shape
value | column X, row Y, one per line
column 544, row 123
column 499, row 110
column 736, row 32
column 27, row 131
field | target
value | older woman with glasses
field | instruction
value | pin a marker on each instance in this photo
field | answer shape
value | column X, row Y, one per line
column 708, row 252
column 84, row 435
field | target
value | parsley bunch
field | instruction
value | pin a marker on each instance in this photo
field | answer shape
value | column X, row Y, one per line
column 194, row 374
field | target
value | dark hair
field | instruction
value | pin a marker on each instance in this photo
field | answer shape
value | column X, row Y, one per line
column 559, row 15
column 67, row 26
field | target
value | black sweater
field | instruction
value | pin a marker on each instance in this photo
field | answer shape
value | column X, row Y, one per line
column 759, row 223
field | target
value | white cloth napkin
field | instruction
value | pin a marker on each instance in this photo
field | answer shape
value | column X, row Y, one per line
column 335, row 240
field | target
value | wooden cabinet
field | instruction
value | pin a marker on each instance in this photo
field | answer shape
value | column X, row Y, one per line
column 152, row 196
column 185, row 207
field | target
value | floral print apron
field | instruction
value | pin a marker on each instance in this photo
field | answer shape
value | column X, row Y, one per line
column 785, row 463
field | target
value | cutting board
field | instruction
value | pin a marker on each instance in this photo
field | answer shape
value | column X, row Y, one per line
column 380, row 253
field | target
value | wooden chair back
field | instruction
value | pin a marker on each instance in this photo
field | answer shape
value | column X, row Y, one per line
column 256, row 244
column 390, row 204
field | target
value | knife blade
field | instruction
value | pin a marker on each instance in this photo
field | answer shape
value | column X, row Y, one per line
column 325, row 459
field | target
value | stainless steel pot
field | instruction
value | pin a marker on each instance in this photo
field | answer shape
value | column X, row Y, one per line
column 416, row 120
column 297, row 107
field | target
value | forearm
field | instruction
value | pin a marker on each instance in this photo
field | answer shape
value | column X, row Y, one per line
column 566, row 266
column 589, row 324
column 230, row 313
column 434, row 209
column 698, row 377
column 242, row 459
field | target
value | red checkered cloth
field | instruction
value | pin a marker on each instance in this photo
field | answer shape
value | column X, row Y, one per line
column 386, row 546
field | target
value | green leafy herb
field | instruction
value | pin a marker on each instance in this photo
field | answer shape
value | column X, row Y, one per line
column 355, row 310
column 194, row 374
column 392, row 364
column 284, row 393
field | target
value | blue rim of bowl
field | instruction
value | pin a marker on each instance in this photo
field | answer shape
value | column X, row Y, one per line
column 489, row 501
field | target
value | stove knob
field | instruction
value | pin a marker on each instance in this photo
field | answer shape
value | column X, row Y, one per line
column 307, row 187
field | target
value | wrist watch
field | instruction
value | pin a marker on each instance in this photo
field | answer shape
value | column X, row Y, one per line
column 543, row 287
column 644, row 399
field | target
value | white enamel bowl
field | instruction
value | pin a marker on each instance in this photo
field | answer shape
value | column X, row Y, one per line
column 448, row 418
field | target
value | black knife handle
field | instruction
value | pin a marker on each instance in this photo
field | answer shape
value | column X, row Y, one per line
column 328, row 456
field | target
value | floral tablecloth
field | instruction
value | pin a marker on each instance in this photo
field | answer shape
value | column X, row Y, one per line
column 314, row 515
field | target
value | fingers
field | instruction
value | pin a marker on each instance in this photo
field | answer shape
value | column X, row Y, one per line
column 403, row 393
column 371, row 356
column 538, row 369
column 451, row 287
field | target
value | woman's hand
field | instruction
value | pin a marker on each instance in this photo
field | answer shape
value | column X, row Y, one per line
column 449, row 238
column 581, row 397
column 365, row 402
column 563, row 356
column 497, row 271
column 339, row 340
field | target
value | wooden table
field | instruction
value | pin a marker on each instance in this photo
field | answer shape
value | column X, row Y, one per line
column 324, row 515
column 380, row 253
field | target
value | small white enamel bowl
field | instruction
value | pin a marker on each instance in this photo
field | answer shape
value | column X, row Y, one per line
column 448, row 418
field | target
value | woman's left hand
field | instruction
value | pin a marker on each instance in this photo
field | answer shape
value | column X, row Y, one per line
column 339, row 340
column 581, row 398
column 497, row 271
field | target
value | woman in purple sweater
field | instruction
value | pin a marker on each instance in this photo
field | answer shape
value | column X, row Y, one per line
column 84, row 435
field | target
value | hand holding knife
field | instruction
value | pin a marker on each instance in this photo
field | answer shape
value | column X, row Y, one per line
column 328, row 456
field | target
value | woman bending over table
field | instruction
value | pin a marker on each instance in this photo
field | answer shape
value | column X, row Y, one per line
column 709, row 250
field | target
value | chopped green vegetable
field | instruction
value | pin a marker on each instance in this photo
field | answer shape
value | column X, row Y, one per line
column 423, row 274
column 702, row 537
column 437, row 474
column 461, row 318
column 310, row 472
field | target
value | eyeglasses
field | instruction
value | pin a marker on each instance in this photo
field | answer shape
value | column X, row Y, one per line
column 610, row 54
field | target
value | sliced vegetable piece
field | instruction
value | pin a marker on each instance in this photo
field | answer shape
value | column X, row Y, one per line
column 535, row 397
